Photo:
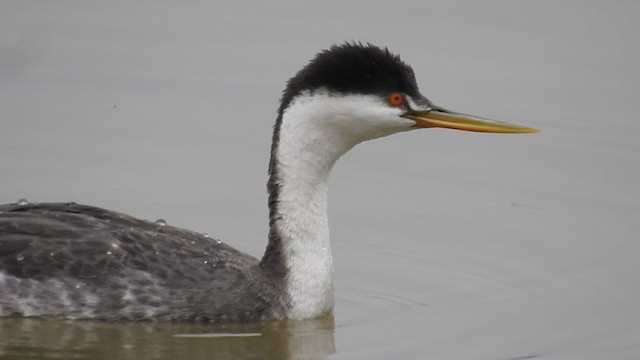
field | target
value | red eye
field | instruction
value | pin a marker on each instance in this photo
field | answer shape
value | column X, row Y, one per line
column 395, row 98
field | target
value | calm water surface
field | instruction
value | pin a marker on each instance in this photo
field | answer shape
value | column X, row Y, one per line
column 447, row 245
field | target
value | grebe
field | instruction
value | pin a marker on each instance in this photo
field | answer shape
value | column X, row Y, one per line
column 77, row 261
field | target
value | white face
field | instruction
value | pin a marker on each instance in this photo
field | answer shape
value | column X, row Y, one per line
column 345, row 120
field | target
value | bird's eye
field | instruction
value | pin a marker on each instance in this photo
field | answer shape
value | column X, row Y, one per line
column 395, row 98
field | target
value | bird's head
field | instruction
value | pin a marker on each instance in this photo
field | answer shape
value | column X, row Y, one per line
column 360, row 92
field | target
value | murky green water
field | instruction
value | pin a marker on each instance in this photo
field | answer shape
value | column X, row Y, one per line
column 65, row 339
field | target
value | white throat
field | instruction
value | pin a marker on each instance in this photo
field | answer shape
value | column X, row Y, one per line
column 316, row 129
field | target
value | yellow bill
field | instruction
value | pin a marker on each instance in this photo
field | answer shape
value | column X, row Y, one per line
column 452, row 120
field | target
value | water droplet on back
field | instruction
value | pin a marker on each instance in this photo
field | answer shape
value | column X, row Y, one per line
column 22, row 202
column 161, row 222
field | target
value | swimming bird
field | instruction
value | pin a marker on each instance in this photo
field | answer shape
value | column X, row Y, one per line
column 77, row 261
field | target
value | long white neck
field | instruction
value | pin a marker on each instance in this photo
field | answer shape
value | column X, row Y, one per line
column 314, row 131
column 306, row 152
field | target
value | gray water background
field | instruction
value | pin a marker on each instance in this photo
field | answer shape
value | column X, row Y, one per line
column 447, row 245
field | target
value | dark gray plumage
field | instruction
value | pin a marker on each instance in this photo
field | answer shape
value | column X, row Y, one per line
column 85, row 262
